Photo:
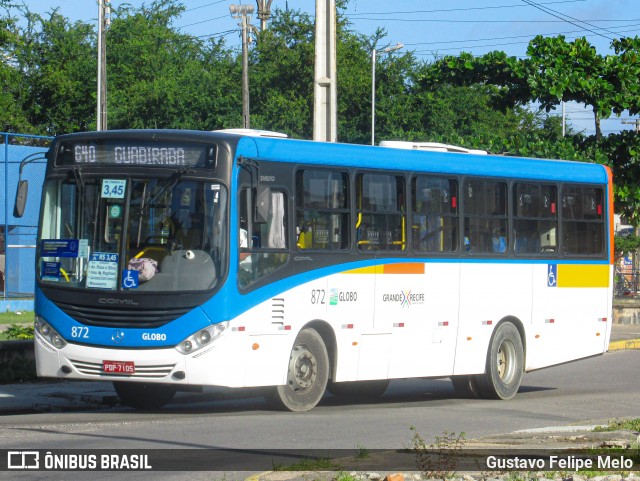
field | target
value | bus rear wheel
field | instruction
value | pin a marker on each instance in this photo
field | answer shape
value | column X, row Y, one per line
column 505, row 363
column 142, row 395
column 307, row 374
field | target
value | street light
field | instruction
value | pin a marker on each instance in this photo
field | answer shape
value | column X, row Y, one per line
column 398, row 46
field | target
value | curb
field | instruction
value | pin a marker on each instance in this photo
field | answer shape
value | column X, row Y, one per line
column 621, row 345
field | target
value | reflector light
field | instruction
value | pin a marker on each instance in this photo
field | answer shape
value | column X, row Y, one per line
column 399, row 324
column 487, row 323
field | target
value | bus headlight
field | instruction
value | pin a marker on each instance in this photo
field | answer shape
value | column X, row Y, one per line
column 50, row 334
column 202, row 338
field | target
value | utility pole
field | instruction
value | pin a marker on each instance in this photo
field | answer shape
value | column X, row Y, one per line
column 264, row 13
column 398, row 46
column 634, row 122
column 243, row 11
column 104, row 20
column 325, row 103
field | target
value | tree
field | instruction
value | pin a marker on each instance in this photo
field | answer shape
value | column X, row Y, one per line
column 281, row 75
column 12, row 114
column 57, row 72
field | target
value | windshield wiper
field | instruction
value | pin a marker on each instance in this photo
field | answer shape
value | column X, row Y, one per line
column 77, row 175
column 172, row 181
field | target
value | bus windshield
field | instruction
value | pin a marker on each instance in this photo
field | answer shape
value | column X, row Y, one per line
column 133, row 234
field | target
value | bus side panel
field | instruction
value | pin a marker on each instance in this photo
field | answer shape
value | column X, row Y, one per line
column 349, row 309
column 420, row 309
column 489, row 292
column 571, row 316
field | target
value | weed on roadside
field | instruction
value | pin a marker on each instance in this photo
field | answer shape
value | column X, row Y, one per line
column 438, row 460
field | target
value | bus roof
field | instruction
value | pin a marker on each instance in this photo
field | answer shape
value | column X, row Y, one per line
column 275, row 148
column 369, row 157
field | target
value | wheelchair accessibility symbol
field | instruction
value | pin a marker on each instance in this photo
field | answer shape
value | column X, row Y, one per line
column 552, row 275
column 130, row 279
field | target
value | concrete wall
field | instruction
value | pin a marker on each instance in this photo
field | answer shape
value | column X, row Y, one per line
column 626, row 311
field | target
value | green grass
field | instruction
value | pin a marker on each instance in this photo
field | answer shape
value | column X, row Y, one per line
column 616, row 424
column 25, row 317
column 14, row 323
column 312, row 464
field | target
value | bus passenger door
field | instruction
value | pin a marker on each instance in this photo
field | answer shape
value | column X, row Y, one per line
column 418, row 304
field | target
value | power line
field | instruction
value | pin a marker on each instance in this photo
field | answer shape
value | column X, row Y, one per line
column 563, row 17
column 435, row 50
column 516, row 36
column 433, row 20
column 440, row 10
column 202, row 21
column 219, row 34
column 205, row 5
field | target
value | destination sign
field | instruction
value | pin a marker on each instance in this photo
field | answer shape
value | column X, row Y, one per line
column 131, row 153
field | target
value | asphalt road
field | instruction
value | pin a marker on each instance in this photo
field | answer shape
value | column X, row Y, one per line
column 595, row 389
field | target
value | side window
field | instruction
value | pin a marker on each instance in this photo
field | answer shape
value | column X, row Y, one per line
column 381, row 212
column 434, row 220
column 322, row 210
column 535, row 219
column 485, row 217
column 263, row 245
column 583, row 221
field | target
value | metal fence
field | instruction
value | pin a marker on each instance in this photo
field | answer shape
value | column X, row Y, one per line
column 18, row 235
column 627, row 282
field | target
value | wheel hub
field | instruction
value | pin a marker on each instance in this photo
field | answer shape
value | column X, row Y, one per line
column 506, row 361
column 302, row 369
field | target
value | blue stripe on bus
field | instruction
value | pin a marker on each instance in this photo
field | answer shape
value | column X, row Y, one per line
column 176, row 331
column 368, row 157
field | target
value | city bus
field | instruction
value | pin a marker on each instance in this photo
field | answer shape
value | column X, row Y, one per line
column 175, row 260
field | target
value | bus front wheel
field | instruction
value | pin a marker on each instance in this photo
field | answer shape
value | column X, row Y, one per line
column 142, row 395
column 505, row 362
column 307, row 374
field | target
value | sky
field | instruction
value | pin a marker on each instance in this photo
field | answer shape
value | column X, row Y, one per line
column 428, row 28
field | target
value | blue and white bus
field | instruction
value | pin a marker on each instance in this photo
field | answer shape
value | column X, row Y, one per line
column 170, row 260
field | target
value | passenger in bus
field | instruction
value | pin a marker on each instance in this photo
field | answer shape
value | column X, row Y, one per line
column 499, row 241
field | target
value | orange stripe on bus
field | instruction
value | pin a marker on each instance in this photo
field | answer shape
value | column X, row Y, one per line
column 401, row 268
column 611, row 216
column 404, row 268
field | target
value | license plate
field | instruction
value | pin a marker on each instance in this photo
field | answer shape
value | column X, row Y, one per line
column 118, row 367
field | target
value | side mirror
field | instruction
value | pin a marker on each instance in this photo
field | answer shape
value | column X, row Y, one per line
column 263, row 203
column 21, row 198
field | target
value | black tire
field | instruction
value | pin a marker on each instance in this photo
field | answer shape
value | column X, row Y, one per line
column 505, row 363
column 307, row 375
column 144, row 396
column 358, row 390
